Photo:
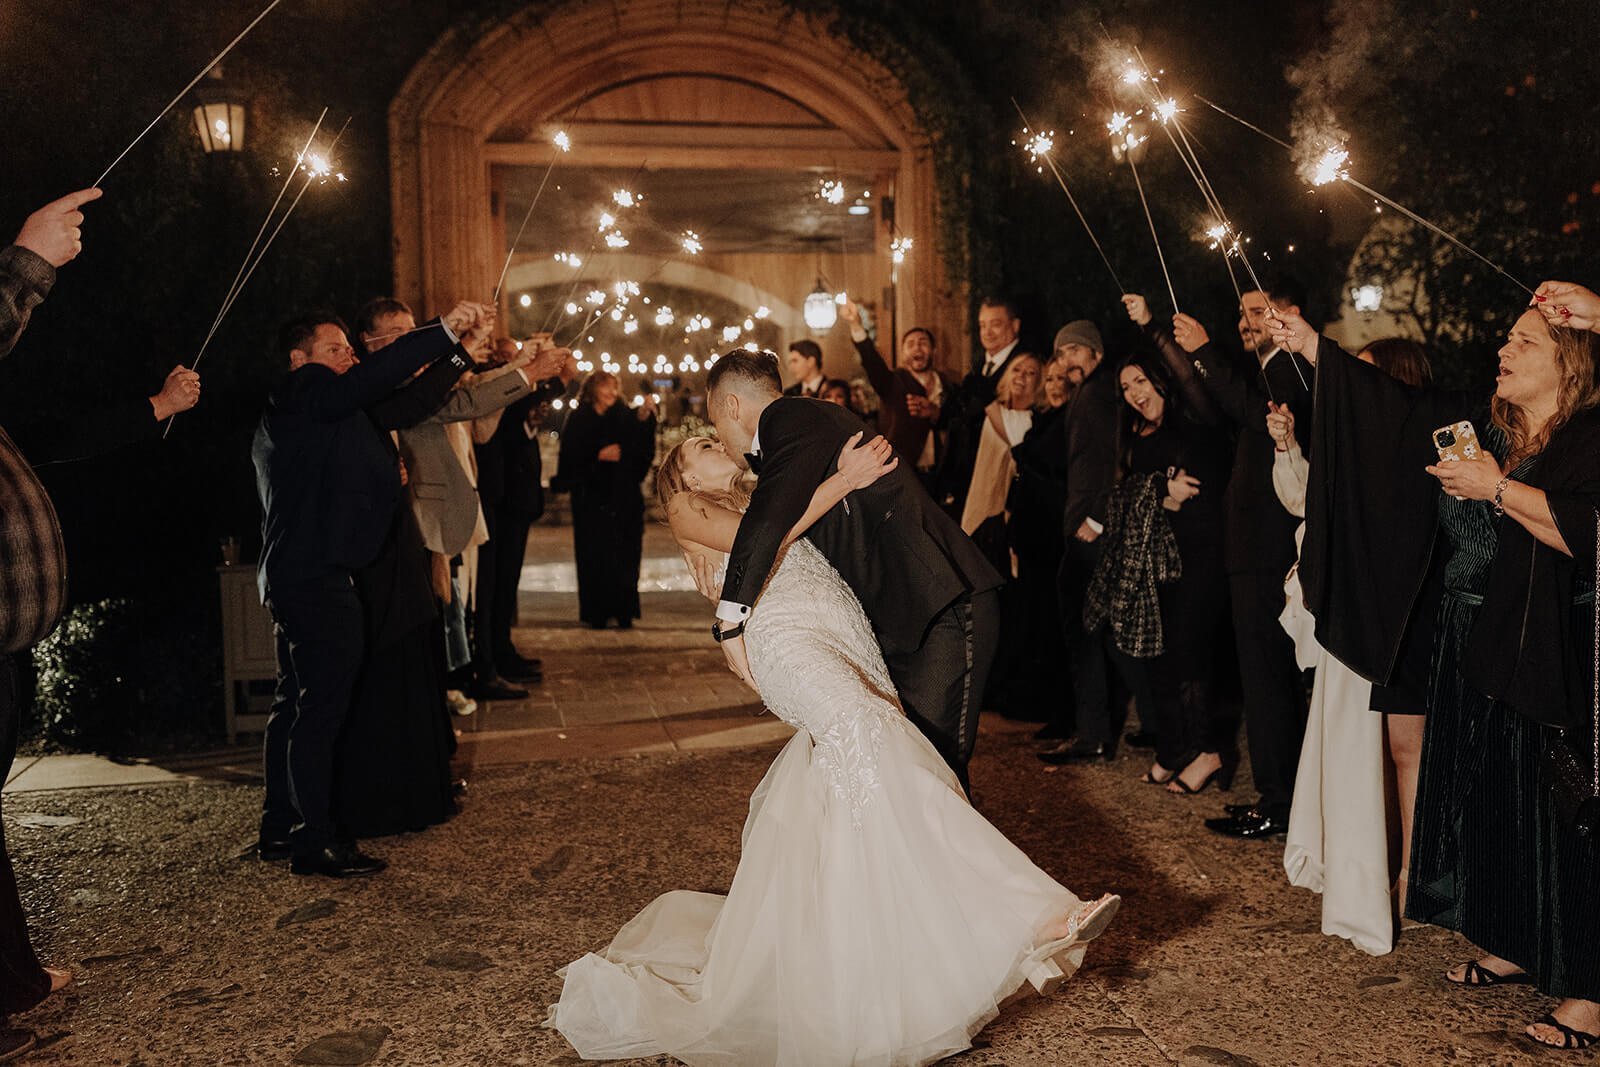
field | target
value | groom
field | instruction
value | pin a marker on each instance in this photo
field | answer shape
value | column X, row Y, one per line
column 928, row 591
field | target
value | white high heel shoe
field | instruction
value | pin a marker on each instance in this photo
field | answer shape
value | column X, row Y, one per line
column 1051, row 971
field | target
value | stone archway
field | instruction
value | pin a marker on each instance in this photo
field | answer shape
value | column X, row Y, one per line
column 650, row 77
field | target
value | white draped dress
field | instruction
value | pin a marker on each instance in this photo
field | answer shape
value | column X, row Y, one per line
column 875, row 916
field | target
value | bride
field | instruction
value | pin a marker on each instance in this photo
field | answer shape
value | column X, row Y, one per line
column 875, row 917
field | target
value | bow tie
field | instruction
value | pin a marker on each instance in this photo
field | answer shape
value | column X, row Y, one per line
column 753, row 460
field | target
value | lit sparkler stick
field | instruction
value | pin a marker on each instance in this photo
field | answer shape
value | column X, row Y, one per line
column 1330, row 166
column 192, row 83
column 562, row 144
column 1121, row 125
column 244, row 265
column 1035, row 142
column 1208, row 193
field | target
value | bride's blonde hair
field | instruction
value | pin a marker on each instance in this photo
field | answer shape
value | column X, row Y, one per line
column 671, row 481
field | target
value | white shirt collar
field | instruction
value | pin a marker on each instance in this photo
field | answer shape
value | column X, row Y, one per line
column 993, row 360
column 812, row 386
column 755, row 442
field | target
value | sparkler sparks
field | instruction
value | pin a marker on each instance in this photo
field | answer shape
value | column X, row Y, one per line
column 899, row 248
column 831, row 190
column 1040, row 144
column 595, row 298
column 730, row 333
column 623, row 198
column 1167, row 110
column 562, row 141
column 664, row 316
column 1119, row 123
column 571, row 259
column 691, row 243
column 614, row 239
column 607, row 220
column 1330, row 166
column 763, row 311
column 1132, row 75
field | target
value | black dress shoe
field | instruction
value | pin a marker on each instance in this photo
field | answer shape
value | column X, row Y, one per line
column 274, row 851
column 495, row 689
column 1249, row 824
column 1077, row 752
column 511, row 657
column 1238, row 809
column 1141, row 739
column 337, row 861
column 518, row 672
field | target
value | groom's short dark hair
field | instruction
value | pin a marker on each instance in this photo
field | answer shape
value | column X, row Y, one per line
column 739, row 367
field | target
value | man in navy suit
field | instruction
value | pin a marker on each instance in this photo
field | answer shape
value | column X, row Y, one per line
column 329, row 481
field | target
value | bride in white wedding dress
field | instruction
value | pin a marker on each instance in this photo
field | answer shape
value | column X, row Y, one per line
column 875, row 917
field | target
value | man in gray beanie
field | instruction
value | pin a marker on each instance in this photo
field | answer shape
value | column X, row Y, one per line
column 1091, row 472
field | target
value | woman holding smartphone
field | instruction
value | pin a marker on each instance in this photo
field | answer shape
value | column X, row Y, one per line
column 1495, row 856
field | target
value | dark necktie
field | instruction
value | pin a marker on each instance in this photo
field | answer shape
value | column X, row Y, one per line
column 753, row 461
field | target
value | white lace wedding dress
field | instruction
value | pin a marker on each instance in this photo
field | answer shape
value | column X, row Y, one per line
column 875, row 917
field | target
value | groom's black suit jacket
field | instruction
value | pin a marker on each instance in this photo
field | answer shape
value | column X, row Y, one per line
column 905, row 559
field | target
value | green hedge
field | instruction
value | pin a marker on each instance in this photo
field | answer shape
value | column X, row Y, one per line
column 131, row 675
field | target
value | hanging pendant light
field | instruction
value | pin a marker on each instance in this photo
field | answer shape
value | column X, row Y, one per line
column 820, row 310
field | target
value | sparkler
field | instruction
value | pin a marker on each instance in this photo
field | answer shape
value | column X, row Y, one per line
column 1121, row 126
column 192, row 83
column 623, row 198
column 562, row 144
column 831, row 190
column 899, row 248
column 691, row 243
column 1331, row 165
column 614, row 239
column 1055, row 171
column 258, row 249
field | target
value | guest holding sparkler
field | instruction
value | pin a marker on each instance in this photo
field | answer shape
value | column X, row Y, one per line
column 329, row 480
column 606, row 451
column 912, row 396
column 1173, row 454
column 33, row 578
column 1259, row 545
column 1507, row 841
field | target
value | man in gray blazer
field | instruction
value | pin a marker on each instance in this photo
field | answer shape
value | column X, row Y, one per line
column 441, row 491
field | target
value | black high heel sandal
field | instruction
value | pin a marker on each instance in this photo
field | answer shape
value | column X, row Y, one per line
column 1476, row 976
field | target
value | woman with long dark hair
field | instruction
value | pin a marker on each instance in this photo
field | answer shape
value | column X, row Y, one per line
column 606, row 451
column 1168, row 507
column 1497, row 855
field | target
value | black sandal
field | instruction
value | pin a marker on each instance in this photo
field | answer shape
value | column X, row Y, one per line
column 1480, row 977
column 1150, row 779
column 1571, row 1040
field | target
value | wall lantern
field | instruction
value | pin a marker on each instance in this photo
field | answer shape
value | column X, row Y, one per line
column 219, row 116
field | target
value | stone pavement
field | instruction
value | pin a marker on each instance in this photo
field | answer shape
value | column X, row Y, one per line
column 579, row 814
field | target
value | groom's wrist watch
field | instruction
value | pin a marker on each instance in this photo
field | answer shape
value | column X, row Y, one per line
column 721, row 634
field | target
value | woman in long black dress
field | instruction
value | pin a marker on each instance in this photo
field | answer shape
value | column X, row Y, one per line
column 606, row 451
column 1175, row 458
column 1494, row 854
column 394, row 756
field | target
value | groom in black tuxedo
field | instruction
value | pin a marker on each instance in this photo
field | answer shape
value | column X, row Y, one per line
column 929, row 593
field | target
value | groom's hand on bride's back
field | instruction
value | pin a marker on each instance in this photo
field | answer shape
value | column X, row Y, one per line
column 862, row 464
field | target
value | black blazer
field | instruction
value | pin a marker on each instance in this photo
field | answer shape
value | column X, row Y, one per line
column 510, row 468
column 1092, row 417
column 1259, row 531
column 905, row 559
column 326, row 473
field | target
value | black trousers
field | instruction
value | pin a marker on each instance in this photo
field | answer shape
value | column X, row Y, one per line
column 320, row 645
column 941, row 683
column 485, row 587
column 1274, row 691
column 511, row 531
column 23, row 983
column 1086, row 652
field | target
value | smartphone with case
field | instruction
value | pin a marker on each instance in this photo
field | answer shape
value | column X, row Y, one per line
column 1457, row 441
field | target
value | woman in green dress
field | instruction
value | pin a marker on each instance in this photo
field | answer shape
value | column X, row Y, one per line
column 1515, row 522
